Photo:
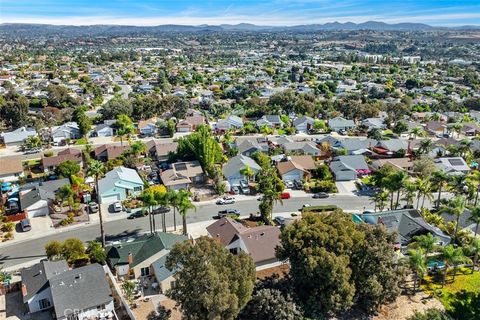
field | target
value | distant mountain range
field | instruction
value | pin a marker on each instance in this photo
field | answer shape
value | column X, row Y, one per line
column 21, row 29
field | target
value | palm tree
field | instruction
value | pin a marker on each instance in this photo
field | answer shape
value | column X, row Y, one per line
column 247, row 172
column 66, row 193
column 162, row 199
column 474, row 178
column 465, row 147
column 424, row 190
column 417, row 262
column 184, row 204
column 410, row 191
column 96, row 169
column 452, row 257
column 440, row 178
column 173, row 200
column 148, row 199
column 455, row 207
column 426, row 146
column 426, row 242
column 456, row 127
column 475, row 217
column 475, row 249
column 417, row 132
column 380, row 199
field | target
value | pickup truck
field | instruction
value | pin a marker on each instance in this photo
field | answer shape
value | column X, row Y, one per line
column 228, row 212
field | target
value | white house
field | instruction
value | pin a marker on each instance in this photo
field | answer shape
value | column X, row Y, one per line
column 303, row 124
column 69, row 130
column 233, row 168
column 231, row 122
column 18, row 136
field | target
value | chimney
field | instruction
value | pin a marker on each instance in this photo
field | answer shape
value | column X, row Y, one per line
column 130, row 258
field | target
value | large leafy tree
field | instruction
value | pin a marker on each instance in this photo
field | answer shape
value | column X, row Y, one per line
column 452, row 257
column 201, row 146
column 271, row 304
column 124, row 127
column 318, row 248
column 211, row 283
column 67, row 168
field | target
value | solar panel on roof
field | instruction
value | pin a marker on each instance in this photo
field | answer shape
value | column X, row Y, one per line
column 180, row 166
column 455, row 162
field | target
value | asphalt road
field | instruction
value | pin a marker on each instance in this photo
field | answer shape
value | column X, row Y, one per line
column 22, row 252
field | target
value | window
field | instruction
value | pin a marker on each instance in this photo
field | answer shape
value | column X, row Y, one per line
column 234, row 250
column 102, row 307
column 44, row 303
column 136, row 189
column 145, row 271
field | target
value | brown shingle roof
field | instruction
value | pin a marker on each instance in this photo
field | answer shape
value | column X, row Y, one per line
column 304, row 163
column 11, row 165
column 64, row 155
column 225, row 229
column 113, row 151
column 261, row 242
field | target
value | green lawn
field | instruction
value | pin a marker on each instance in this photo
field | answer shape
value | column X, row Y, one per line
column 461, row 298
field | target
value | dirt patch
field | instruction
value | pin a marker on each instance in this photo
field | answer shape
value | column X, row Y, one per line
column 280, row 271
column 405, row 306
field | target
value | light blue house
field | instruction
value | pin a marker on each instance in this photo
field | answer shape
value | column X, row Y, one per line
column 232, row 170
column 119, row 184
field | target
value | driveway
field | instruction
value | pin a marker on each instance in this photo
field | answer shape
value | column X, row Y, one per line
column 346, row 188
column 12, row 308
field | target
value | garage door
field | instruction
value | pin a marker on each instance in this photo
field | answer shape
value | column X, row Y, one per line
column 110, row 198
column 38, row 212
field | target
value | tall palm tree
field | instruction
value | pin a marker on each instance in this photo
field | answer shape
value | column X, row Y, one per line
column 380, row 200
column 162, row 199
column 424, row 191
column 96, row 169
column 475, row 249
column 173, row 200
column 418, row 264
column 247, row 172
column 455, row 207
column 426, row 242
column 465, row 147
column 475, row 217
column 456, row 127
column 426, row 146
column 184, row 204
column 148, row 199
column 474, row 178
column 410, row 192
column 452, row 257
column 417, row 132
column 399, row 180
column 440, row 178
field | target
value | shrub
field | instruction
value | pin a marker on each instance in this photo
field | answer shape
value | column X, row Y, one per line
column 48, row 153
column 320, row 208
column 8, row 227
column 8, row 236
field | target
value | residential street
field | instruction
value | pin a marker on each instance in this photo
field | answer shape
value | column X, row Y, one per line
column 19, row 253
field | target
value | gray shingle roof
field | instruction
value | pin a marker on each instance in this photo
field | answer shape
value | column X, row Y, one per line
column 35, row 279
column 237, row 163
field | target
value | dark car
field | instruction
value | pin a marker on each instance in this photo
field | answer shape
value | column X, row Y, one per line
column 320, row 195
column 137, row 214
column 228, row 212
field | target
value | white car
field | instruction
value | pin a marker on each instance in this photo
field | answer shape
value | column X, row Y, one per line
column 117, row 206
column 226, row 200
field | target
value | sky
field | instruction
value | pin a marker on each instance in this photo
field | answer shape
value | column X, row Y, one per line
column 215, row 12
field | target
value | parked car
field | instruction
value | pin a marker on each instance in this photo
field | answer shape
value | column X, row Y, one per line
column 161, row 210
column 32, row 151
column 93, row 206
column 228, row 212
column 117, row 206
column 25, row 225
column 280, row 221
column 306, row 205
column 137, row 214
column 226, row 200
column 289, row 185
column 320, row 195
column 285, row 195
column 235, row 190
column 298, row 185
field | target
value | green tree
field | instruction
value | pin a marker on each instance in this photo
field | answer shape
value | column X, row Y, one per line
column 247, row 172
column 211, row 283
column 173, row 201
column 137, row 148
column 129, row 288
column 475, row 250
column 452, row 257
column 400, row 127
column 73, row 250
column 160, row 314
column 66, row 193
column 271, row 186
column 201, row 146
column 455, row 207
column 426, row 145
column 53, row 250
column 271, row 304
column 149, row 201
column 380, row 199
column 96, row 253
column 96, row 169
column 124, row 126
column 318, row 248
column 184, row 205
column 440, row 179
column 32, row 142
column 418, row 264
column 475, row 217
column 426, row 242
column 67, row 168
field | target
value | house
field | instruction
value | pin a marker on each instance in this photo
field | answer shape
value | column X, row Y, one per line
column 81, row 293
column 161, row 151
column 271, row 121
column 119, row 184
column 303, row 147
column 347, row 168
column 354, row 146
column 102, row 130
column 406, row 224
column 17, row 137
column 340, row 124
column 303, row 124
column 11, row 169
column 470, row 129
column 392, row 146
column 109, row 152
column 259, row 242
column 165, row 277
column 231, row 122
column 452, row 165
column 37, row 201
column 147, row 128
column 296, row 168
column 234, row 166
column 190, row 124
column 405, row 164
column 72, row 154
column 251, row 145
column 134, row 259
column 436, row 128
column 374, row 123
column 182, row 175
column 67, row 131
